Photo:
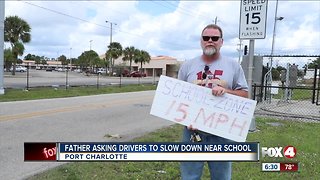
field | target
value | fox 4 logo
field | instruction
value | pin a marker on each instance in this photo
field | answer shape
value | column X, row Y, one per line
column 288, row 151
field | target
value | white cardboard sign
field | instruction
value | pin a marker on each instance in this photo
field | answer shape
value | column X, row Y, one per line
column 228, row 116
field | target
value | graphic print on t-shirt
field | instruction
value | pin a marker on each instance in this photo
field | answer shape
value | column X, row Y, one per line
column 210, row 79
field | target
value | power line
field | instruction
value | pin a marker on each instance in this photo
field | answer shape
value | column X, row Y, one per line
column 119, row 30
column 187, row 10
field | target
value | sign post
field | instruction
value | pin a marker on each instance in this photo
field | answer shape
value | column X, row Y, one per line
column 2, row 4
column 253, row 18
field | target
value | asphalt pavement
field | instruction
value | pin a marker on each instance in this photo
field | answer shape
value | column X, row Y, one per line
column 78, row 119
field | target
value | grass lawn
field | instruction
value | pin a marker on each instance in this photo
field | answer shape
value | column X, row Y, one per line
column 45, row 93
column 297, row 94
column 304, row 136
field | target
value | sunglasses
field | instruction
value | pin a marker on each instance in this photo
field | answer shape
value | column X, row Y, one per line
column 206, row 69
column 213, row 38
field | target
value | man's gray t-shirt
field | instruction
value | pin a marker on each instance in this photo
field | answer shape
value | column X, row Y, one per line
column 223, row 72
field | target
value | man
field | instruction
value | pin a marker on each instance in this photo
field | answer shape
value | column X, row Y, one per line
column 222, row 75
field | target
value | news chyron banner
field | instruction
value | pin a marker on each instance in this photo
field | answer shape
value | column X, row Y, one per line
column 113, row 151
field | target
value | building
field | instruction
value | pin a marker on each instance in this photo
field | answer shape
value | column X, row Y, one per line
column 159, row 65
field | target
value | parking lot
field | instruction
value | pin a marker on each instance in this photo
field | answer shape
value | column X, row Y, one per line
column 41, row 78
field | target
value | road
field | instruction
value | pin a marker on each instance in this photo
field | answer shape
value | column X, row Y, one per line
column 44, row 78
column 86, row 118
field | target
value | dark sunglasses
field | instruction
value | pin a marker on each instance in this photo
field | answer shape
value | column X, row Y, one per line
column 206, row 69
column 213, row 38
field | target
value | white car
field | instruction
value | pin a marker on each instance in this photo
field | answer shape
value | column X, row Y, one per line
column 61, row 70
column 19, row 69
column 101, row 71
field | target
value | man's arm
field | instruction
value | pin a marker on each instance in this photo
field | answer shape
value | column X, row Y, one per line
column 241, row 93
column 218, row 91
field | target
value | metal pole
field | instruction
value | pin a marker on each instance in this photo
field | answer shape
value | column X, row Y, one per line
column 239, row 51
column 28, row 67
column 120, row 77
column 98, row 80
column 2, row 9
column 252, row 127
column 250, row 68
column 273, row 37
column 90, row 44
column 269, row 73
column 215, row 20
column 67, row 76
column 287, row 83
column 70, row 59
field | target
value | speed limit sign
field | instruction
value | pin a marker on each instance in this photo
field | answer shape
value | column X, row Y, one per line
column 253, row 18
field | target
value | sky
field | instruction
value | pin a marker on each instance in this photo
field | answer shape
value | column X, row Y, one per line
column 170, row 28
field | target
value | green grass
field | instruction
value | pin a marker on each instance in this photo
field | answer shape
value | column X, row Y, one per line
column 297, row 94
column 46, row 93
column 304, row 136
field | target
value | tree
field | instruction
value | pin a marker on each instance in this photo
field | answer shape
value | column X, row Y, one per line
column 33, row 57
column 314, row 63
column 128, row 55
column 8, row 58
column 17, row 32
column 114, row 51
column 88, row 58
column 63, row 59
column 141, row 57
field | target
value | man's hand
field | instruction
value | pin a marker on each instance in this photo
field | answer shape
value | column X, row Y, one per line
column 191, row 128
column 218, row 90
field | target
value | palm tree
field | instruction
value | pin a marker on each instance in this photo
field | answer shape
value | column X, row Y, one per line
column 114, row 51
column 129, row 54
column 17, row 32
column 141, row 57
column 8, row 58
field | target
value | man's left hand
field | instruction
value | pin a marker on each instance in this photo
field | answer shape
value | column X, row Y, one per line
column 218, row 90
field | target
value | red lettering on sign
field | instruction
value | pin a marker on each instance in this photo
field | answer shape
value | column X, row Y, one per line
column 223, row 118
column 206, row 120
column 236, row 125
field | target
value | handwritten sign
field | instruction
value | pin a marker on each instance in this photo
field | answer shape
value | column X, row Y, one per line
column 228, row 116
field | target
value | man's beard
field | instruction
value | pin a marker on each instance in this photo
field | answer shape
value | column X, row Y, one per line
column 209, row 51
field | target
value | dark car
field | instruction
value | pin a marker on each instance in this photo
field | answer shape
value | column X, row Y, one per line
column 49, row 69
column 137, row 74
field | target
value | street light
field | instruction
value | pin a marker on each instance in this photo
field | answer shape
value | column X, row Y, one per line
column 90, row 44
column 268, row 76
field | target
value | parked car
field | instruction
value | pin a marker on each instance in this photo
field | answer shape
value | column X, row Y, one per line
column 101, row 71
column 50, row 69
column 78, row 70
column 137, row 74
column 61, row 70
column 19, row 69
column 38, row 68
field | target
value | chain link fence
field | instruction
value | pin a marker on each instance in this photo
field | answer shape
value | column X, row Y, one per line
column 293, row 93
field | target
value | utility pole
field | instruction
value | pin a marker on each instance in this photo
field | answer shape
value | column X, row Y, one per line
column 111, row 61
column 215, row 20
column 2, row 9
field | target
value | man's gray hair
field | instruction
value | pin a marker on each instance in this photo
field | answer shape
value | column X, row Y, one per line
column 213, row 26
